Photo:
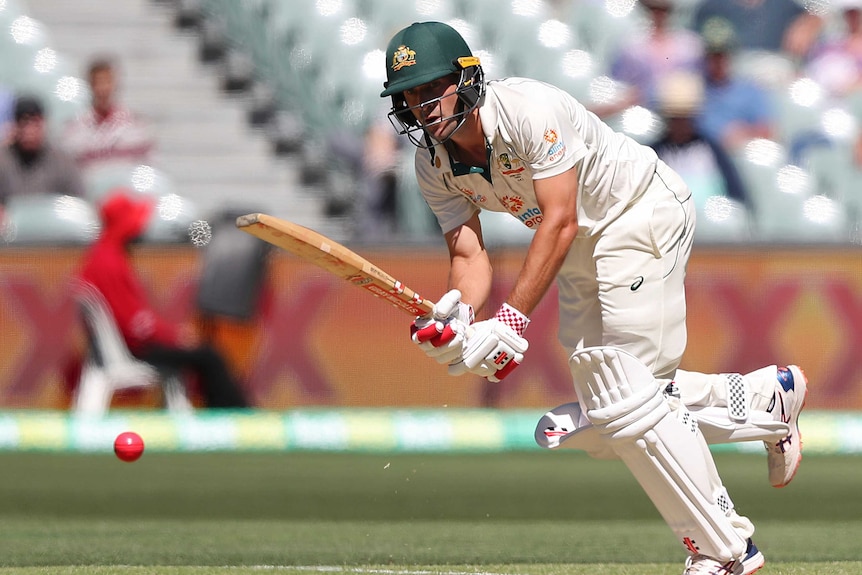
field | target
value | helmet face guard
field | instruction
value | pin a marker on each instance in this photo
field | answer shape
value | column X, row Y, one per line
column 470, row 89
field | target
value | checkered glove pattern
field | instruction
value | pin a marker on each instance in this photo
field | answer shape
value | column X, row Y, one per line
column 513, row 318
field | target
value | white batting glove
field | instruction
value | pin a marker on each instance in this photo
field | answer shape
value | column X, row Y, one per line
column 494, row 347
column 441, row 335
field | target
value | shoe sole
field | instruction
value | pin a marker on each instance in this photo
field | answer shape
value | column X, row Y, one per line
column 760, row 561
column 796, row 371
column 756, row 569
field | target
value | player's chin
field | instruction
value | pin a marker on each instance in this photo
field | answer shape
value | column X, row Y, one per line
column 440, row 130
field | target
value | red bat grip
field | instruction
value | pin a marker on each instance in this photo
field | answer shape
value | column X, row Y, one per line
column 431, row 333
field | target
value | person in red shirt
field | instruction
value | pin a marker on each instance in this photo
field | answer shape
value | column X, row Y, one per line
column 108, row 267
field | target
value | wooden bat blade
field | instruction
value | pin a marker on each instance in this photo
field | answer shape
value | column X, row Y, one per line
column 334, row 258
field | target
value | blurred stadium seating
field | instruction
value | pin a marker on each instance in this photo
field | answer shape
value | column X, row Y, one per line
column 313, row 69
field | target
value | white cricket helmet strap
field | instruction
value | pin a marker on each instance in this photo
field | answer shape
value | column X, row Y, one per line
column 663, row 449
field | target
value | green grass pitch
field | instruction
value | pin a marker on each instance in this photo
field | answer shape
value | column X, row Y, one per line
column 518, row 513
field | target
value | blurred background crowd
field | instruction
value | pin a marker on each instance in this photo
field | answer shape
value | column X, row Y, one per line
column 218, row 106
column 155, row 123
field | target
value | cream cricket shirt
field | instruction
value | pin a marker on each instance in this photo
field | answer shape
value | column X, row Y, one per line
column 535, row 131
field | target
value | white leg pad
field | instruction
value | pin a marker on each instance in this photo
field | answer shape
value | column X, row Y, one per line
column 567, row 427
column 663, row 449
column 737, row 420
column 718, row 428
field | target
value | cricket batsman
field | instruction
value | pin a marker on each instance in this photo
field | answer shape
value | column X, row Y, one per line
column 613, row 227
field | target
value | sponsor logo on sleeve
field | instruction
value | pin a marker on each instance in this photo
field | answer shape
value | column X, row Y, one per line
column 473, row 196
column 558, row 147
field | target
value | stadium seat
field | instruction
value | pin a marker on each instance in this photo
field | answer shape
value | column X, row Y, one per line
column 414, row 215
column 172, row 220
column 109, row 365
column 798, row 110
column 174, row 212
column 136, row 177
column 49, row 219
column 602, row 25
column 770, row 70
column 389, row 16
column 723, row 220
column 28, row 65
column 787, row 205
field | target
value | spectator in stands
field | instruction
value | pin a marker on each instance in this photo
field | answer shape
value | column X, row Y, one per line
column 645, row 59
column 768, row 25
column 735, row 110
column 30, row 164
column 702, row 162
column 109, row 268
column 836, row 63
column 108, row 132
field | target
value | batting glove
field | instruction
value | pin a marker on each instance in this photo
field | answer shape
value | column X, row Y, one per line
column 441, row 335
column 495, row 346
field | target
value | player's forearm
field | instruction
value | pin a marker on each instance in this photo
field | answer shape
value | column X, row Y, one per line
column 472, row 276
column 545, row 257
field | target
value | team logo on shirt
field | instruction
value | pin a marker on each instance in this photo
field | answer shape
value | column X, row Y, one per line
column 512, row 203
column 509, row 166
column 551, row 136
column 403, row 57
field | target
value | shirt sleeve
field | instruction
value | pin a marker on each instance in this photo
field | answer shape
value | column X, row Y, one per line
column 545, row 135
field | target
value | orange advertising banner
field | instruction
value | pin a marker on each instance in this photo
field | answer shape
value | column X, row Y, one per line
column 316, row 340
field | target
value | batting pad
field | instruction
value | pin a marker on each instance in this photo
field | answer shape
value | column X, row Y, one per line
column 663, row 449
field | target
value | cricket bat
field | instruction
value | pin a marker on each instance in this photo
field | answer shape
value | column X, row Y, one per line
column 334, row 258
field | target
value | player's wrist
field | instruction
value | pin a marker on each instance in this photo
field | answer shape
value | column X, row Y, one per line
column 512, row 318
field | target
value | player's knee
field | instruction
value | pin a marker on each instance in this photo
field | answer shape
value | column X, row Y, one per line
column 617, row 391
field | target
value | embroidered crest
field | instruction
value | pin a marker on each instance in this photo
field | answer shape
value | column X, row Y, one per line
column 403, row 57
column 509, row 166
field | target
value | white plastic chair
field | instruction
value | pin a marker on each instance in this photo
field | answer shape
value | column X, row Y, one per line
column 110, row 366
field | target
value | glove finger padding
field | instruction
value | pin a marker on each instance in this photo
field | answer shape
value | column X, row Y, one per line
column 447, row 347
column 441, row 335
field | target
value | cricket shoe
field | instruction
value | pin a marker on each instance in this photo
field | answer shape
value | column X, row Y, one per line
column 703, row 565
column 784, row 456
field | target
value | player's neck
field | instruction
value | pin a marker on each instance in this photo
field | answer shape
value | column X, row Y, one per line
column 468, row 144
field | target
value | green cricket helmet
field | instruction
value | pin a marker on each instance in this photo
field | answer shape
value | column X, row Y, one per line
column 421, row 53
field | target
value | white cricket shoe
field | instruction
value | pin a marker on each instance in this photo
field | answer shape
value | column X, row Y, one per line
column 703, row 565
column 784, row 456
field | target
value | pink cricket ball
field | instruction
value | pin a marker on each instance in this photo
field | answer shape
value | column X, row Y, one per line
column 129, row 446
